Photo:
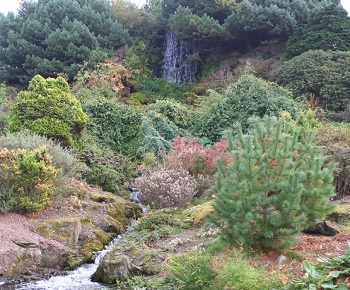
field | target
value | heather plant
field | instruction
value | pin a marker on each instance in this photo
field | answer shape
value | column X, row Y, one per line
column 29, row 175
column 166, row 188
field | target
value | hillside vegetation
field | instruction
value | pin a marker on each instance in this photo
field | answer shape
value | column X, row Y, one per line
column 261, row 138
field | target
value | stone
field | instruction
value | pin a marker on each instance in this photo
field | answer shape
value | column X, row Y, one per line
column 322, row 228
column 280, row 259
column 112, row 268
column 105, row 197
column 24, row 244
column 64, row 230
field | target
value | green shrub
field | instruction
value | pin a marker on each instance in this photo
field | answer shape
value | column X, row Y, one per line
column 30, row 175
column 231, row 270
column 157, row 219
column 237, row 273
column 249, row 96
column 323, row 74
column 117, row 126
column 336, row 146
column 106, row 170
column 48, row 108
column 7, row 195
column 176, row 112
column 304, row 120
column 192, row 271
column 276, row 186
column 62, row 158
column 4, row 105
column 158, row 89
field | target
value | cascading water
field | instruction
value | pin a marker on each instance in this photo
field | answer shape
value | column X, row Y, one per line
column 178, row 68
column 79, row 279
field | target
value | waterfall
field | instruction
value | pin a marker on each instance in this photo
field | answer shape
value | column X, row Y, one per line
column 177, row 67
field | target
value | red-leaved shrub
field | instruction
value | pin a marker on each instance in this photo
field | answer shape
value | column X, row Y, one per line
column 193, row 157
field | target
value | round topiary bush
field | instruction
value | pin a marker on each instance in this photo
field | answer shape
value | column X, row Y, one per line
column 48, row 108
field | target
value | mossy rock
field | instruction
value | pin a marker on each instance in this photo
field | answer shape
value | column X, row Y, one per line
column 199, row 213
column 116, row 267
column 340, row 215
column 137, row 99
column 147, row 261
column 102, row 236
column 106, row 197
column 64, row 230
column 117, row 216
column 88, row 248
column 113, row 226
column 124, row 210
column 132, row 83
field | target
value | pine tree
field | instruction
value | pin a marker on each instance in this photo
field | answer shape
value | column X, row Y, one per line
column 275, row 187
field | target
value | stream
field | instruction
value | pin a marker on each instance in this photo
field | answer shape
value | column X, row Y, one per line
column 78, row 279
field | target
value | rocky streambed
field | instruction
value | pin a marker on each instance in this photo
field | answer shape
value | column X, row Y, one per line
column 63, row 237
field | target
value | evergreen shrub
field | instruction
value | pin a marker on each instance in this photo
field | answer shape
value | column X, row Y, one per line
column 115, row 125
column 323, row 74
column 48, row 108
column 248, row 96
column 328, row 28
column 110, row 172
column 28, row 175
column 276, row 186
column 62, row 158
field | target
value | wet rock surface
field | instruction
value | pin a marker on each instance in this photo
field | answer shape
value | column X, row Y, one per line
column 61, row 237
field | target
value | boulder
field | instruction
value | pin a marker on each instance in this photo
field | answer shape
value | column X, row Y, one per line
column 64, row 230
column 112, row 268
column 323, row 228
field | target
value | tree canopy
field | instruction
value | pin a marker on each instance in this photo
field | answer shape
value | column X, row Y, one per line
column 327, row 29
column 48, row 37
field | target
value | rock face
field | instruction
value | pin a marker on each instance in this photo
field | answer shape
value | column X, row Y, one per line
column 64, row 240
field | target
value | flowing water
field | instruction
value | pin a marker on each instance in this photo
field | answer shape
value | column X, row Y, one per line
column 178, row 68
column 78, row 279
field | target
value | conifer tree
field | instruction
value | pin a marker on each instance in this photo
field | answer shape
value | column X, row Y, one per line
column 275, row 187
